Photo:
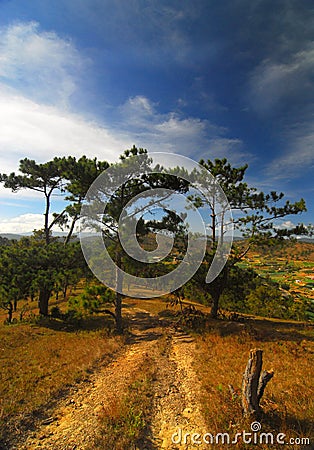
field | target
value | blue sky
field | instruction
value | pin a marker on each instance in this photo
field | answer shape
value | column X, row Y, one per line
column 203, row 79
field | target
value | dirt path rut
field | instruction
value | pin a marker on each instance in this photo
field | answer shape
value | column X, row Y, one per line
column 178, row 405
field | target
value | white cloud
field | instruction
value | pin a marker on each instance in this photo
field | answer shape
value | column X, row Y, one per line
column 273, row 81
column 287, row 84
column 40, row 132
column 40, row 71
column 298, row 157
column 24, row 223
column 286, row 225
column 140, row 120
column 138, row 107
column 176, row 127
column 40, row 64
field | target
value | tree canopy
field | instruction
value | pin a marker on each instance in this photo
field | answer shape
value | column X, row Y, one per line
column 44, row 263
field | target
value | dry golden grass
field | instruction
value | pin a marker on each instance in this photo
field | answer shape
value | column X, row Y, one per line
column 154, row 306
column 39, row 362
column 288, row 401
column 221, row 358
column 123, row 423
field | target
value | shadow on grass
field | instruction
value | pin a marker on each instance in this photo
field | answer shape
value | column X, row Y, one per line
column 144, row 327
column 92, row 323
column 264, row 330
column 289, row 425
column 145, row 323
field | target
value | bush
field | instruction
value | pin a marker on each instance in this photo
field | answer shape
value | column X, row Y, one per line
column 268, row 301
column 91, row 300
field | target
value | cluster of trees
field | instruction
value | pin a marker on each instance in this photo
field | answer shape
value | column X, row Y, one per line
column 30, row 268
column 42, row 264
column 39, row 265
column 247, row 292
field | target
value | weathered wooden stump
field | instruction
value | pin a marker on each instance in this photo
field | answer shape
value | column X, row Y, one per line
column 254, row 383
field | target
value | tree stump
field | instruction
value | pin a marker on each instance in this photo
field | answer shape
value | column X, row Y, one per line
column 254, row 383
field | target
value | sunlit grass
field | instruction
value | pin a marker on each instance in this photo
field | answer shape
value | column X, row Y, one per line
column 38, row 363
column 288, row 401
column 123, row 422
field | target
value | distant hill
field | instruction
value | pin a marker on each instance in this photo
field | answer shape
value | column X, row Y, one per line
column 299, row 250
column 17, row 237
column 11, row 236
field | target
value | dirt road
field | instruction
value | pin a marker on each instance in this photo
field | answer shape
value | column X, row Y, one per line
column 176, row 406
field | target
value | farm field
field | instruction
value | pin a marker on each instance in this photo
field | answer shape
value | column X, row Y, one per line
column 292, row 268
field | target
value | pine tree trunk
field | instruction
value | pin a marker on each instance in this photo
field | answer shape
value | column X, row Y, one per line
column 118, row 300
column 215, row 305
column 217, row 288
column 69, row 235
column 10, row 312
column 46, row 216
column 44, row 296
column 65, row 289
column 118, row 313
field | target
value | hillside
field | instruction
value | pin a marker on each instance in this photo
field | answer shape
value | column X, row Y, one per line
column 291, row 266
column 92, row 390
column 72, row 383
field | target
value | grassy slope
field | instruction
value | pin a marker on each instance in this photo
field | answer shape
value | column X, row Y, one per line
column 288, row 401
column 38, row 363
